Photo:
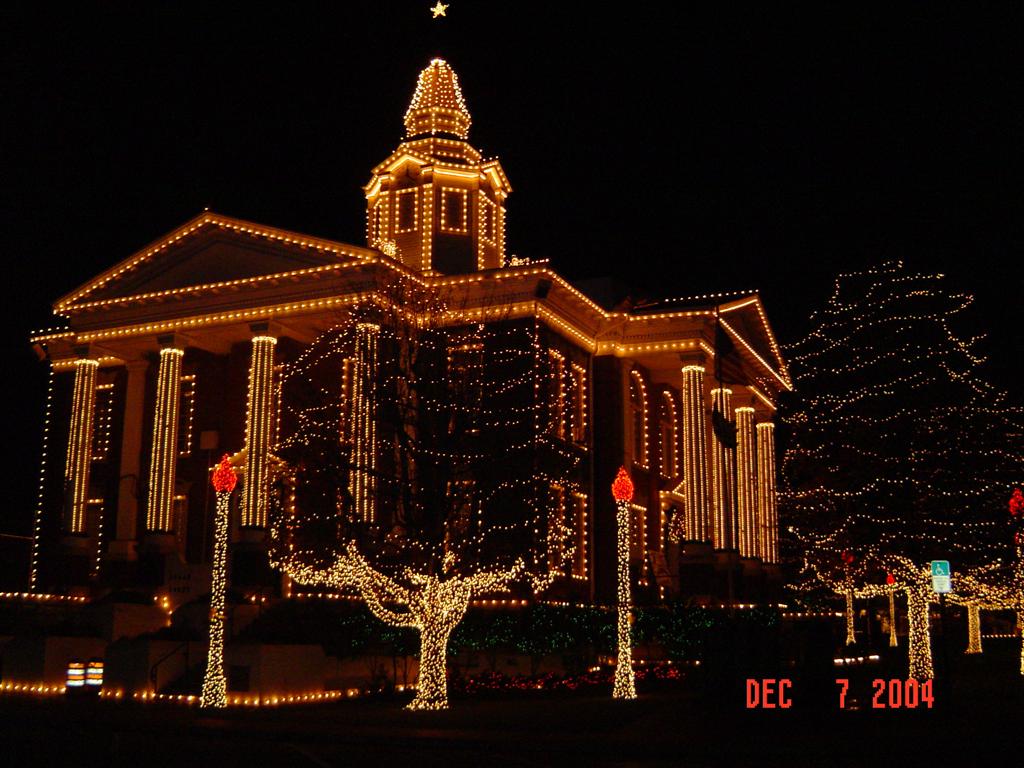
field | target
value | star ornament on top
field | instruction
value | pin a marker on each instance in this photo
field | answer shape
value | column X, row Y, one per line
column 439, row 9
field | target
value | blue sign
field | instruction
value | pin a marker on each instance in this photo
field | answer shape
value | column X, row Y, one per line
column 941, row 582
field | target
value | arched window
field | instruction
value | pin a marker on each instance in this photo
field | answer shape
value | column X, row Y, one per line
column 638, row 411
column 667, row 435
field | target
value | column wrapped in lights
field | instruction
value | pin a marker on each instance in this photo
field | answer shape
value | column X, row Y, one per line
column 723, row 465
column 259, row 423
column 164, row 456
column 625, row 683
column 362, row 418
column 215, row 687
column 80, row 434
column 695, row 469
column 767, row 511
column 746, row 478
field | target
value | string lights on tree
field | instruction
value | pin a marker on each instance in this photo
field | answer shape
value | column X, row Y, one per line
column 625, row 681
column 215, row 687
column 462, row 490
column 900, row 451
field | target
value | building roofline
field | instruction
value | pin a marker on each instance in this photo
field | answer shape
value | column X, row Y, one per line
column 192, row 226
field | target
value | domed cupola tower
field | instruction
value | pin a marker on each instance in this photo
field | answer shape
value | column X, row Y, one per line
column 436, row 204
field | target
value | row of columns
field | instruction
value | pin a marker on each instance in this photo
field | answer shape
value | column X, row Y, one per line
column 164, row 444
column 740, row 510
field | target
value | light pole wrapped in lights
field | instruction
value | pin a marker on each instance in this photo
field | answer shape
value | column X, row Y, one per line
column 215, row 688
column 625, row 683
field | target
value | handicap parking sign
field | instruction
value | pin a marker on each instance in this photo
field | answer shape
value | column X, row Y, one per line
column 941, row 582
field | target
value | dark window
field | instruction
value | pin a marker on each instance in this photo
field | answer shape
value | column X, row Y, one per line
column 454, row 219
column 406, row 211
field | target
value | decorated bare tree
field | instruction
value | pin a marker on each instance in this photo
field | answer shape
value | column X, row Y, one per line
column 843, row 576
column 900, row 453
column 421, row 463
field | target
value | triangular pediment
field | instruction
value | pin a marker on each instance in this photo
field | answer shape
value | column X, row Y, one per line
column 747, row 320
column 210, row 250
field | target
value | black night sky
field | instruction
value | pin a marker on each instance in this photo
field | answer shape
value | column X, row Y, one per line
column 678, row 149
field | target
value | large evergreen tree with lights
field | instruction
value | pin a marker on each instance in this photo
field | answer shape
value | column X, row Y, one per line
column 900, row 451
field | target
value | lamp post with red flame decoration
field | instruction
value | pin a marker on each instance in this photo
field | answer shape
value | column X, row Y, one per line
column 215, row 688
column 625, row 680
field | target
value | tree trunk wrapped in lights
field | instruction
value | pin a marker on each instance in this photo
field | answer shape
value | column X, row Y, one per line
column 1020, row 629
column 625, row 678
column 840, row 575
column 991, row 587
column 429, row 467
column 851, row 636
column 215, row 691
column 431, row 605
column 919, row 643
column 973, row 628
column 892, row 619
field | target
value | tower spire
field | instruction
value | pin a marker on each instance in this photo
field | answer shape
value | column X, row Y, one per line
column 436, row 204
column 437, row 105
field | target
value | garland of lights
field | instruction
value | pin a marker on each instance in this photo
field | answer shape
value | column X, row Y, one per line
column 215, row 687
column 423, row 397
column 625, row 681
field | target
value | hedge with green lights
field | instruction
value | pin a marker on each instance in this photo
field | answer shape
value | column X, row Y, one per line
column 579, row 634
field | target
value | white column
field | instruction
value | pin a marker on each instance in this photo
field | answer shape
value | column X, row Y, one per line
column 163, row 458
column 767, row 512
column 123, row 546
column 746, row 478
column 258, row 426
column 695, row 467
column 722, row 469
column 362, row 422
column 79, row 456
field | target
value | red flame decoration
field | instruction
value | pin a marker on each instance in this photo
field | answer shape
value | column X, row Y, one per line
column 889, row 579
column 622, row 488
column 1017, row 502
column 848, row 556
column 224, row 477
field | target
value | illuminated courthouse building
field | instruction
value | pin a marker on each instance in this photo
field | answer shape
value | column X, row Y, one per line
column 169, row 359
